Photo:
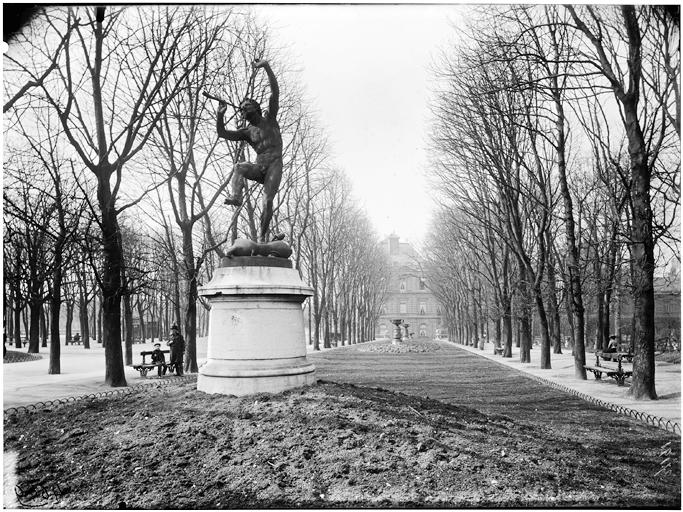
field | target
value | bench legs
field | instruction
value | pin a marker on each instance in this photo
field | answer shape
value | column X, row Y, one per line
column 620, row 378
column 162, row 369
column 597, row 373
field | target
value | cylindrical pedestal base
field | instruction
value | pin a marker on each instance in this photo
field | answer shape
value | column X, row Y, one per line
column 256, row 338
column 250, row 377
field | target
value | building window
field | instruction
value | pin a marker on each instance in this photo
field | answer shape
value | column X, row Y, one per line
column 403, row 308
column 423, row 330
column 422, row 284
column 423, row 308
column 438, row 310
column 402, row 287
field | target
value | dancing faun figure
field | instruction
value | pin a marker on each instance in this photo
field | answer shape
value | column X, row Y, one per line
column 263, row 134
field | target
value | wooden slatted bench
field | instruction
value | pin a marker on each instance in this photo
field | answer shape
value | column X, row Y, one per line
column 76, row 340
column 619, row 373
column 145, row 367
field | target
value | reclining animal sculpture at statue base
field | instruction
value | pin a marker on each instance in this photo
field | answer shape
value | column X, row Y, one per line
column 244, row 247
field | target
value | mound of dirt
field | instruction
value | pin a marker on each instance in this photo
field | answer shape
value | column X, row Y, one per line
column 330, row 445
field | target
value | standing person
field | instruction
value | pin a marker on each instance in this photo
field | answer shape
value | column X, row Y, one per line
column 263, row 134
column 177, row 344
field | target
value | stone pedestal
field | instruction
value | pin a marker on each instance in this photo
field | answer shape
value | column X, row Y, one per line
column 256, row 337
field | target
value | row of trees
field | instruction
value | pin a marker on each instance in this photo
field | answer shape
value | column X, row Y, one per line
column 557, row 143
column 114, row 173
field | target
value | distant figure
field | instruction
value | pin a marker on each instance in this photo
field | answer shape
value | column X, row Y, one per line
column 158, row 357
column 177, row 344
column 613, row 344
column 263, row 134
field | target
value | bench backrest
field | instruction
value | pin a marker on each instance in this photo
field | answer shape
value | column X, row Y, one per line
column 150, row 352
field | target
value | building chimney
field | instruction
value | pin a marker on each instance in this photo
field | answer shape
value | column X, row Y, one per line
column 393, row 244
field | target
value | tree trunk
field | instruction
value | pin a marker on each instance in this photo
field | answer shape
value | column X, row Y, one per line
column 34, row 326
column 606, row 318
column 99, row 318
column 17, row 323
column 55, row 305
column 525, row 318
column 93, row 317
column 497, row 333
column 69, row 320
column 555, row 332
column 111, row 286
column 141, row 317
column 642, row 254
column 326, row 330
column 575, row 294
column 599, row 320
column 316, row 321
column 507, row 326
column 128, row 342
column 43, row 328
column 545, row 338
column 190, row 363
column 83, row 319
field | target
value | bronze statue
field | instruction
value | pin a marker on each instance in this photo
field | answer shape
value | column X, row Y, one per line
column 263, row 134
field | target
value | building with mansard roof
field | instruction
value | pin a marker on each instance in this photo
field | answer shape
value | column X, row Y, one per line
column 408, row 297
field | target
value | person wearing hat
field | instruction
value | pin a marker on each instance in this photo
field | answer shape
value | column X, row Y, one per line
column 158, row 357
column 177, row 344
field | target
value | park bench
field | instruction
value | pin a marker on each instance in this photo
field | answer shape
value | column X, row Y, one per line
column 619, row 373
column 498, row 350
column 145, row 367
column 75, row 340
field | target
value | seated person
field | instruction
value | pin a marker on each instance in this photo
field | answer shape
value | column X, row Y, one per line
column 612, row 345
column 158, row 357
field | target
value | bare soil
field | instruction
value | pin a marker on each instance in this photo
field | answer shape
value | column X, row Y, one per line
column 330, row 445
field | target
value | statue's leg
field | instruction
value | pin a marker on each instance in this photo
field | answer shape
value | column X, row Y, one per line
column 271, row 183
column 243, row 170
column 236, row 186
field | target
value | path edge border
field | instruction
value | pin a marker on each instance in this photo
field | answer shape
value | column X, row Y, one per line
column 57, row 402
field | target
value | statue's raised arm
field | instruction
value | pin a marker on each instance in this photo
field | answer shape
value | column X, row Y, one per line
column 240, row 134
column 274, row 103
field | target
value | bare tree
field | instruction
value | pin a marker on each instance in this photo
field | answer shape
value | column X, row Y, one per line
column 604, row 31
column 122, row 67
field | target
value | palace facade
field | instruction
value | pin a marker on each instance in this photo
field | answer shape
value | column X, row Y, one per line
column 408, row 297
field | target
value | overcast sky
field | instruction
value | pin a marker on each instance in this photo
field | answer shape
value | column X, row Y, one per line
column 366, row 70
